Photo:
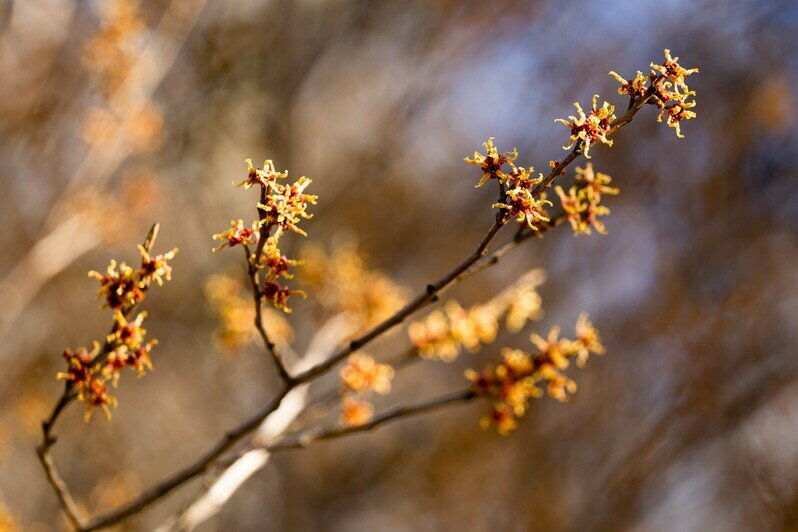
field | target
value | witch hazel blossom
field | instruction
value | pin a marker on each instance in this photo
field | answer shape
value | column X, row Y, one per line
column 517, row 379
column 122, row 288
column 281, row 208
column 591, row 128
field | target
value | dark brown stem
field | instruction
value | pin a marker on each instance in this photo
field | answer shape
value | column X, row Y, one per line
column 614, row 126
column 401, row 412
column 198, row 467
column 522, row 235
column 59, row 486
column 257, row 297
column 423, row 298
column 67, row 397
column 330, row 399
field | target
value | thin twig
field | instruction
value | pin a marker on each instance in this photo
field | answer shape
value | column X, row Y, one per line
column 423, row 298
column 257, row 297
column 401, row 412
column 189, row 472
column 61, row 489
column 523, row 234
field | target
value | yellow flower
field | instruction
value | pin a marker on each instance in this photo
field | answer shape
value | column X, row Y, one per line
column 595, row 183
column 443, row 332
column 433, row 337
column 274, row 262
column 491, row 162
column 673, row 71
column 128, row 333
column 355, row 412
column 119, row 286
column 524, row 206
column 551, row 349
column 237, row 234
column 675, row 114
column 526, row 305
column 96, row 396
column 362, row 374
column 558, row 385
column 278, row 295
column 156, row 268
column 582, row 210
column 503, row 417
column 590, row 128
column 79, row 366
column 286, row 205
column 236, row 315
column 587, row 340
column 513, row 382
column 345, row 283
column 635, row 87
column 265, row 176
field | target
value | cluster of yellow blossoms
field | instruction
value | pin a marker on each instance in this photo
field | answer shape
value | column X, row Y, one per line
column 280, row 209
column 581, row 203
column 515, row 380
column 121, row 289
column 520, row 199
column 588, row 129
column 443, row 333
column 670, row 95
column 361, row 376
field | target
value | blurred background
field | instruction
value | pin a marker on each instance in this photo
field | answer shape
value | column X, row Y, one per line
column 114, row 115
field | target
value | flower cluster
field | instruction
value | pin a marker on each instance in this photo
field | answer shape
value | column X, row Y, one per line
column 511, row 383
column 674, row 72
column 238, row 234
column 581, row 203
column 588, row 129
column 89, row 371
column 361, row 376
column 492, row 162
column 121, row 288
column 281, row 207
column 236, row 316
column 344, row 283
column 444, row 332
column 522, row 204
column 520, row 200
column 636, row 88
column 355, row 411
column 669, row 90
column 87, row 379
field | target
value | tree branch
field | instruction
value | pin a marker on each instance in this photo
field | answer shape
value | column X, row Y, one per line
column 401, row 412
column 466, row 268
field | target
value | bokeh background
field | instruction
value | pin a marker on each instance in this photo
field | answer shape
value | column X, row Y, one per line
column 111, row 120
